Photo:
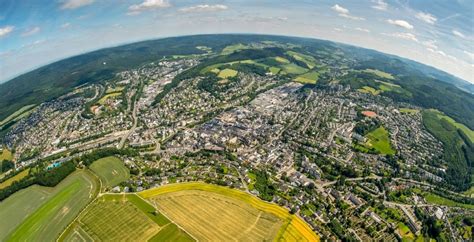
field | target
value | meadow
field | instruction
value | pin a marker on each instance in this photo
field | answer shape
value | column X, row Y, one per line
column 17, row 114
column 41, row 213
column 308, row 78
column 435, row 199
column 17, row 177
column 6, row 155
column 466, row 130
column 107, row 96
column 235, row 205
column 111, row 171
column 380, row 73
column 379, row 140
column 226, row 73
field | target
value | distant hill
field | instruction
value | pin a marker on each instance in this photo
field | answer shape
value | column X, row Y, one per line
column 428, row 87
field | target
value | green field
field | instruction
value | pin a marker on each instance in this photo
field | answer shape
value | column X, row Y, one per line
column 367, row 89
column 233, row 48
column 17, row 177
column 6, row 155
column 282, row 60
column 435, row 199
column 17, row 114
column 466, row 130
column 380, row 141
column 116, row 89
column 405, row 232
column 111, row 171
column 380, row 73
column 308, row 78
column 293, row 69
column 308, row 60
column 41, row 213
column 226, row 73
column 171, row 232
column 409, row 110
column 274, row 70
column 107, row 96
column 122, row 217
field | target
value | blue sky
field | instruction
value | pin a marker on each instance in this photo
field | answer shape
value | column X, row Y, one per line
column 37, row 32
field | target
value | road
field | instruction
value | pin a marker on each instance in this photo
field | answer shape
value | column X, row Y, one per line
column 134, row 126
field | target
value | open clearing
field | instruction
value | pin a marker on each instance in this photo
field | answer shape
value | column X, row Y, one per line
column 6, row 155
column 435, row 199
column 17, row 177
column 367, row 89
column 380, row 141
column 17, row 114
column 464, row 128
column 107, row 96
column 120, row 217
column 226, row 73
column 210, row 212
column 111, row 170
column 293, row 69
column 308, row 60
column 380, row 73
column 308, row 78
column 41, row 213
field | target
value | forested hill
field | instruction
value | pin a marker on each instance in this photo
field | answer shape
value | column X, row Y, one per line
column 427, row 86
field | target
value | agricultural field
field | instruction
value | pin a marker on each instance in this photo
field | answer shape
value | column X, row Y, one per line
column 234, row 48
column 41, row 213
column 267, row 221
column 380, row 141
column 308, row 60
column 17, row 115
column 226, row 73
column 17, row 177
column 120, row 217
column 293, row 69
column 308, row 78
column 6, row 154
column 371, row 90
column 380, row 73
column 111, row 171
column 282, row 60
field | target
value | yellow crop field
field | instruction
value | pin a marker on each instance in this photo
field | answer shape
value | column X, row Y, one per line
column 17, row 177
column 199, row 206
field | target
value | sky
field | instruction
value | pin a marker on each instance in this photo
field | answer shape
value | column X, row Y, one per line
column 438, row 33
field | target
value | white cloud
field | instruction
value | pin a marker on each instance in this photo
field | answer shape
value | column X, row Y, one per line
column 72, row 4
column 362, row 30
column 406, row 36
column 66, row 25
column 338, row 29
column 470, row 54
column 380, row 5
column 31, row 31
column 340, row 9
column 344, row 12
column 442, row 53
column 400, row 23
column 147, row 5
column 426, row 17
column 6, row 30
column 430, row 44
column 458, row 34
column 204, row 8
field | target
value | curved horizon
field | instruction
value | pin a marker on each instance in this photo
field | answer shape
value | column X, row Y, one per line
column 36, row 34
